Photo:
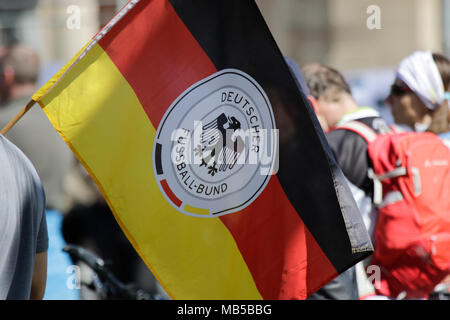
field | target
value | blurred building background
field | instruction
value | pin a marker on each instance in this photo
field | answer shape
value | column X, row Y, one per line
column 329, row 31
column 336, row 31
column 333, row 32
column 342, row 34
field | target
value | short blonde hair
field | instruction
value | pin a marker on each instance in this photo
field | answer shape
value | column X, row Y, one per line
column 324, row 81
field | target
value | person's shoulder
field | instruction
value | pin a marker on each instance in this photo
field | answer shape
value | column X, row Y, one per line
column 347, row 145
column 9, row 149
column 343, row 136
column 18, row 171
column 18, row 162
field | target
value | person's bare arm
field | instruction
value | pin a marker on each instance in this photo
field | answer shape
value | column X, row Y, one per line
column 39, row 276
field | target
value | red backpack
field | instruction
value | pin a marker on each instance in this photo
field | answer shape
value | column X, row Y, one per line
column 411, row 174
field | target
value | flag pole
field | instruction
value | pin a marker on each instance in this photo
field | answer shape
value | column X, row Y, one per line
column 17, row 117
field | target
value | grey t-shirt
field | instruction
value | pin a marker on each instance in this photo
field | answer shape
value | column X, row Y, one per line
column 23, row 226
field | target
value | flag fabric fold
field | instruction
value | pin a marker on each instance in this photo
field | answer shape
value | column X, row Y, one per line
column 216, row 229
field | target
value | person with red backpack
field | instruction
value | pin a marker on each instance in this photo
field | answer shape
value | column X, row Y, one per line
column 332, row 100
column 407, row 177
column 344, row 286
column 419, row 98
column 330, row 97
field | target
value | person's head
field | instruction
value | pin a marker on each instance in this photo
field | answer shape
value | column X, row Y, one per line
column 20, row 70
column 419, row 97
column 330, row 94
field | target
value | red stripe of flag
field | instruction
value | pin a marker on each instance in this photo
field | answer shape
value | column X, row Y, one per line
column 160, row 58
column 157, row 55
column 281, row 253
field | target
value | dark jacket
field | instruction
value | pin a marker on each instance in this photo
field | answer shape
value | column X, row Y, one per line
column 350, row 149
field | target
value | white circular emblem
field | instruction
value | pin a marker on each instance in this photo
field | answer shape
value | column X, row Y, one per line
column 215, row 147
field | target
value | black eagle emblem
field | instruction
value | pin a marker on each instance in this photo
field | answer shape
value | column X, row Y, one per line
column 220, row 146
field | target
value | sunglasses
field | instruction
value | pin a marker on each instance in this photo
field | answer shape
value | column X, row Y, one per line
column 399, row 90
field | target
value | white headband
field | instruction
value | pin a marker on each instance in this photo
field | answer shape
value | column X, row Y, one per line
column 421, row 75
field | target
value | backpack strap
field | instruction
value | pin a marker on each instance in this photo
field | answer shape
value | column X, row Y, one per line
column 366, row 132
column 369, row 135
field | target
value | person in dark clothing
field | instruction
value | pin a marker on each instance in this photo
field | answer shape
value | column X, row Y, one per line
column 331, row 99
column 89, row 223
column 344, row 286
column 103, row 236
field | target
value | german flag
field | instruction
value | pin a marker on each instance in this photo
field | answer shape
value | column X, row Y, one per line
column 216, row 228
